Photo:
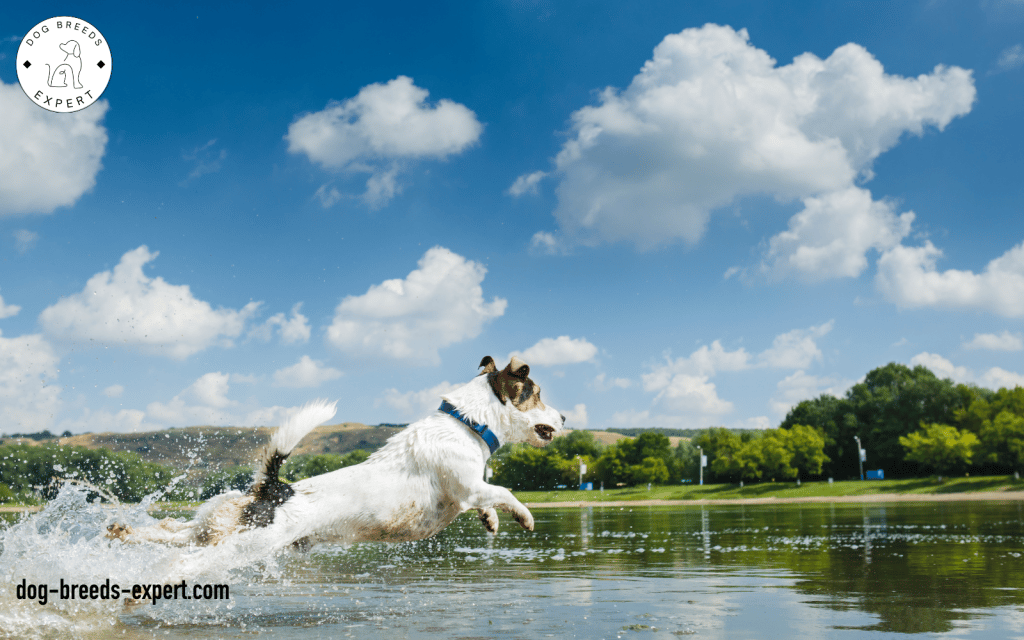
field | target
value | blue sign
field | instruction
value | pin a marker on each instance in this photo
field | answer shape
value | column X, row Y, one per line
column 587, row 486
column 877, row 474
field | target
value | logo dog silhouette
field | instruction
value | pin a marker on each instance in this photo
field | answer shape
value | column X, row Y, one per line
column 72, row 64
column 411, row 488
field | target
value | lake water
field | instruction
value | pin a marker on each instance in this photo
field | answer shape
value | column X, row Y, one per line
column 783, row 571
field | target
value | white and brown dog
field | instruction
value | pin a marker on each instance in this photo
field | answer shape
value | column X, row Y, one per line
column 411, row 488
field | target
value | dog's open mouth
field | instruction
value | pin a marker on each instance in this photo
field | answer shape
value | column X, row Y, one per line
column 544, row 431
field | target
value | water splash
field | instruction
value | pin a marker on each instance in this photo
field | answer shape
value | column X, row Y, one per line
column 65, row 544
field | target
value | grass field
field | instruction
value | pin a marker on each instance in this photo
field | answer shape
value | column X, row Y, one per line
column 779, row 490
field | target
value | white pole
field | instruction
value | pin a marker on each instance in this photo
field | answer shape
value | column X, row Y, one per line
column 700, row 463
column 860, row 457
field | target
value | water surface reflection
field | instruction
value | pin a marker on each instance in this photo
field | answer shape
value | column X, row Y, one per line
column 779, row 571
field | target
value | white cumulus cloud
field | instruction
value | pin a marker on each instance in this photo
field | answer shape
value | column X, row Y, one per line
column 602, row 383
column 413, row 405
column 831, row 236
column 380, row 128
column 102, row 421
column 526, row 183
column 125, row 307
column 941, row 367
column 8, row 310
column 29, row 396
column 795, row 349
column 710, row 119
column 1010, row 58
column 305, row 373
column 114, row 391
column 908, row 277
column 800, row 386
column 998, row 378
column 292, row 330
column 1005, row 341
column 688, row 394
column 576, row 418
column 556, row 351
column 438, row 304
column 994, row 378
column 24, row 240
column 204, row 402
column 685, row 393
column 47, row 160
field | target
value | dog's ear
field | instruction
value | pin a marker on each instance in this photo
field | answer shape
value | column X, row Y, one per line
column 488, row 364
column 502, row 385
column 517, row 368
column 77, row 51
column 511, row 382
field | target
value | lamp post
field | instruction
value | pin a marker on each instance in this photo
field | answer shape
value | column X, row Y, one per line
column 860, row 457
column 700, row 463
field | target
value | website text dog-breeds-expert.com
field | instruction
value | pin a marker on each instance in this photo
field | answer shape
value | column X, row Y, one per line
column 107, row 591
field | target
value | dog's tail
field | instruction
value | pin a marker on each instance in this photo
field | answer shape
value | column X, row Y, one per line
column 309, row 417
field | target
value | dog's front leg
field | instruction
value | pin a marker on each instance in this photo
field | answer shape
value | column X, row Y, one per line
column 488, row 497
column 489, row 517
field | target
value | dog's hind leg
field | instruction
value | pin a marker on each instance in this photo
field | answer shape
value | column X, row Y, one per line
column 167, row 531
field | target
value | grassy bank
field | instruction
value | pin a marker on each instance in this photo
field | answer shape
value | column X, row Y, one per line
column 780, row 490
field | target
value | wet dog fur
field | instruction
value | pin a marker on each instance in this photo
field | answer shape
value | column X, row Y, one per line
column 411, row 488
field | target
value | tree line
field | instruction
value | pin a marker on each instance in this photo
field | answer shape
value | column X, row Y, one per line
column 651, row 459
column 31, row 473
column 910, row 422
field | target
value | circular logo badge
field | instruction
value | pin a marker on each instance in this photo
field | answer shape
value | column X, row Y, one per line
column 64, row 64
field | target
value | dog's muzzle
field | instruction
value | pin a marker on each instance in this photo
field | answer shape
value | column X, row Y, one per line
column 545, row 432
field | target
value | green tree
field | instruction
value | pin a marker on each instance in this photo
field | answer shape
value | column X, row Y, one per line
column 721, row 447
column 806, row 445
column 31, row 470
column 687, row 460
column 940, row 447
column 309, row 465
column 527, row 468
column 6, row 495
column 576, row 443
column 651, row 470
column 232, row 478
column 776, row 455
column 629, row 461
column 835, row 419
column 891, row 402
column 1002, row 441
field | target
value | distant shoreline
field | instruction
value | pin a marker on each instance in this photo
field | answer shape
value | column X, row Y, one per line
column 1005, row 496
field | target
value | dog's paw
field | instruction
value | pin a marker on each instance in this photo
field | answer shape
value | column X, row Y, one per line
column 524, row 518
column 118, row 531
column 489, row 517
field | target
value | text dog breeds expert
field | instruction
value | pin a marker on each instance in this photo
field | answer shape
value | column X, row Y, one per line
column 411, row 488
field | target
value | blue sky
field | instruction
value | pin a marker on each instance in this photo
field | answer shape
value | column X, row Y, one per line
column 680, row 214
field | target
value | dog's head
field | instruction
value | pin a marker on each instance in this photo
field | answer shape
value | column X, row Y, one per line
column 71, row 48
column 532, row 421
column 509, row 403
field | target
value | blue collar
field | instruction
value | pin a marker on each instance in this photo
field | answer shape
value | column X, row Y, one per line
column 480, row 429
